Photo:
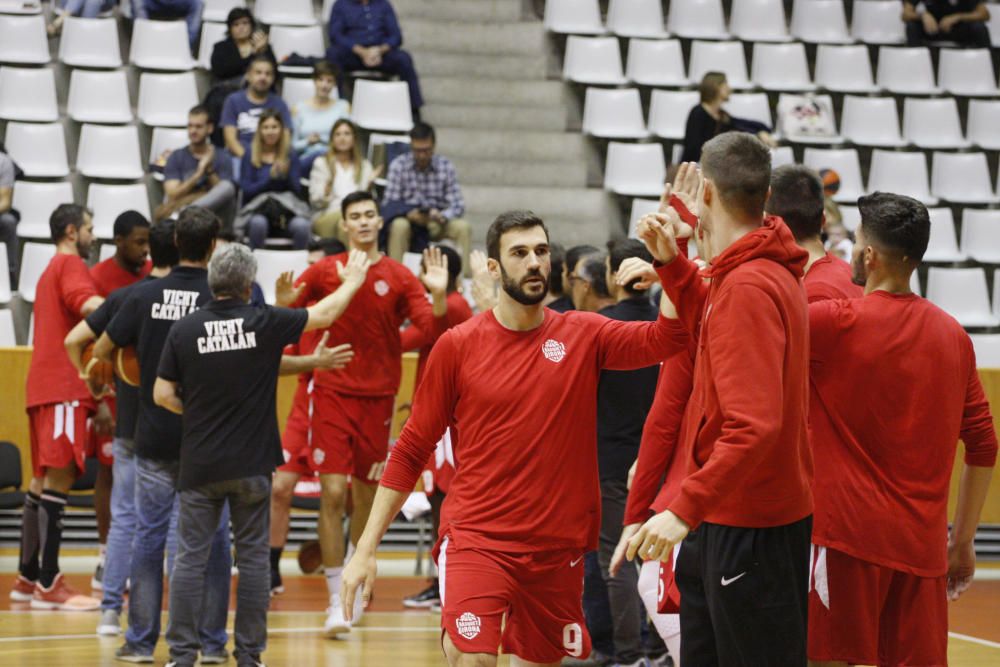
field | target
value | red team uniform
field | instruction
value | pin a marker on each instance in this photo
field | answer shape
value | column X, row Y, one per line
column 885, row 438
column 296, row 440
column 352, row 412
column 58, row 402
column 524, row 504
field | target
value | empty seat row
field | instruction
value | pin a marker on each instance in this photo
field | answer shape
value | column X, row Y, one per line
column 659, row 63
column 105, row 151
column 816, row 21
column 37, row 200
column 963, row 294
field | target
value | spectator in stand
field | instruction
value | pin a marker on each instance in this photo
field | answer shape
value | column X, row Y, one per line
column 189, row 10
column 88, row 9
column 588, row 287
column 962, row 21
column 364, row 34
column 573, row 256
column 423, row 193
column 314, row 118
column 9, row 217
column 269, row 177
column 709, row 119
column 243, row 109
column 198, row 174
column 334, row 176
column 557, row 299
column 244, row 41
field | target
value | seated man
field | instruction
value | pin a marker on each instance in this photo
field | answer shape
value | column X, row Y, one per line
column 198, row 174
column 422, row 198
column 364, row 34
column 243, row 108
column 962, row 21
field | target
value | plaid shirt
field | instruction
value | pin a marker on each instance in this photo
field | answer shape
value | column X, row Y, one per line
column 436, row 187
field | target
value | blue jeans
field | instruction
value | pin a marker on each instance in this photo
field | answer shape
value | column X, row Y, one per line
column 155, row 496
column 299, row 228
column 249, row 502
column 122, row 532
column 88, row 9
column 189, row 10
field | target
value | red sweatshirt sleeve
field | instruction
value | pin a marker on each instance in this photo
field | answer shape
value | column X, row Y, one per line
column 749, row 388
column 76, row 286
column 309, row 280
column 659, row 436
column 624, row 346
column 412, row 338
column 433, row 407
column 977, row 432
column 683, row 285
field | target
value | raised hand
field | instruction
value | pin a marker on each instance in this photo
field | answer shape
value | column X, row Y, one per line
column 659, row 232
column 688, row 185
column 435, row 273
column 285, row 291
column 636, row 268
column 353, row 273
column 484, row 291
column 331, row 358
column 657, row 537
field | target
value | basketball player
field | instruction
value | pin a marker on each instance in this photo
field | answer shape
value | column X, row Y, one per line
column 352, row 410
column 523, row 506
column 894, row 387
column 747, row 501
column 59, row 408
column 128, row 265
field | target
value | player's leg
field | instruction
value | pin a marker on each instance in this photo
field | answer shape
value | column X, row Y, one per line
column 697, row 630
column 27, row 564
column 296, row 451
column 458, row 659
column 332, row 504
column 281, row 508
column 914, row 621
column 362, row 497
column 623, row 589
column 475, row 596
column 668, row 626
column 120, row 537
column 102, row 512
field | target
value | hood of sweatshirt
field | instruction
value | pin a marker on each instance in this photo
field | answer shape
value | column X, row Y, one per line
column 773, row 240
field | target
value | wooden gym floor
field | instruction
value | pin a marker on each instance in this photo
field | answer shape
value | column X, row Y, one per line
column 387, row 636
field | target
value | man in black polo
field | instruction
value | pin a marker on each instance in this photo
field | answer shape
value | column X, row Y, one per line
column 224, row 360
column 143, row 321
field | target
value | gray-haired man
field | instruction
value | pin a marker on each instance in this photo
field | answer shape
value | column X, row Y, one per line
column 225, row 359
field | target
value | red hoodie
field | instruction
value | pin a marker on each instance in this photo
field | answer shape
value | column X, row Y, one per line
column 746, row 423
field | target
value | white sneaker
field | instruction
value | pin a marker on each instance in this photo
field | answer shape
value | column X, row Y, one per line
column 335, row 624
column 110, row 624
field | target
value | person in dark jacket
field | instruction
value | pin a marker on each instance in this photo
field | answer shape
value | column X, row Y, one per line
column 709, row 118
column 244, row 40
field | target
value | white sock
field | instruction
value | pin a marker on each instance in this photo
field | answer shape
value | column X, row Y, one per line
column 333, row 577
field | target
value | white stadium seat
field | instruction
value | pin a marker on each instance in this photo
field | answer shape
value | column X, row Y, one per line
column 640, row 207
column 272, row 263
column 754, row 106
column 295, row 90
column 984, row 124
column 382, row 105
column 36, row 201
column 962, row 294
column 758, row 21
column 819, row 21
column 39, row 149
column 7, row 337
column 593, row 60
column 218, row 10
column 962, row 178
column 28, row 94
column 943, row 243
column 109, row 201
column 792, row 102
column 781, row 67
column 4, row 279
column 844, row 69
column 97, row 96
column 211, row 33
column 161, row 45
column 655, row 63
column 871, row 121
column 636, row 170
column 966, row 72
column 34, row 258
column 165, row 139
column 109, row 152
column 90, row 43
column 303, row 40
column 726, row 57
column 850, row 216
column 165, row 99
column 636, row 18
column 846, row 163
column 285, row 12
column 981, row 235
column 987, row 348
column 613, row 113
column 878, row 22
column 697, row 19
column 932, row 123
column 901, row 173
column 906, row 71
column 576, row 17
column 668, row 112
column 23, row 40
column 781, row 156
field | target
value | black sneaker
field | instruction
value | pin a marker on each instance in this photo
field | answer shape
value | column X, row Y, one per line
column 277, row 587
column 129, row 653
column 425, row 599
column 97, row 581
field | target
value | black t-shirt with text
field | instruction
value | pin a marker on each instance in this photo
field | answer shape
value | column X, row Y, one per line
column 225, row 359
column 126, row 396
column 144, row 320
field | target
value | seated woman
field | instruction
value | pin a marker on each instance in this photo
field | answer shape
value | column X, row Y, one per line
column 335, row 175
column 314, row 117
column 270, row 177
column 709, row 118
column 232, row 55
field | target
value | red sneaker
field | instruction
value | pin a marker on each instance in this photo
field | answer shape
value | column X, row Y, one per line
column 60, row 596
column 23, row 590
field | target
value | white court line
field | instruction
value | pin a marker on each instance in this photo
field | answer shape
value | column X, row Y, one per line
column 974, row 640
column 271, row 631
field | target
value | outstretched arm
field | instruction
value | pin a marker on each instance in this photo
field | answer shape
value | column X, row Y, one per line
column 352, row 275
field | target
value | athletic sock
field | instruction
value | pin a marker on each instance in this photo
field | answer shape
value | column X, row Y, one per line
column 276, row 556
column 333, row 576
column 28, row 561
column 50, row 530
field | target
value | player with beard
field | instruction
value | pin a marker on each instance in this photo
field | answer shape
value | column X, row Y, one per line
column 524, row 504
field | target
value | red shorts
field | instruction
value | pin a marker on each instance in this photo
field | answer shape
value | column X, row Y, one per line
column 60, row 435
column 668, row 596
column 295, row 439
column 867, row 614
column 350, row 434
column 539, row 594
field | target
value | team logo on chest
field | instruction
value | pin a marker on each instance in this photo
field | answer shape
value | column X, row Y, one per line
column 468, row 625
column 381, row 287
column 553, row 350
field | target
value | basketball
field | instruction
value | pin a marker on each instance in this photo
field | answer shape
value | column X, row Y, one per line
column 310, row 558
column 127, row 365
column 831, row 181
column 99, row 371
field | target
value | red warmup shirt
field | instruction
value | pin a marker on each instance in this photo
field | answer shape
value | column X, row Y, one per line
column 390, row 295
column 412, row 338
column 109, row 275
column 63, row 288
column 894, row 387
column 745, row 424
column 524, row 404
column 830, row 278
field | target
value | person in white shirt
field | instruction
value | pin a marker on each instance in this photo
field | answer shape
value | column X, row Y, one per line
column 334, row 176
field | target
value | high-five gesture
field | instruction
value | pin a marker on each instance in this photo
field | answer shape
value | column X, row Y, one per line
column 659, row 232
column 435, row 273
column 353, row 273
column 331, row 358
column 285, row 291
column 687, row 186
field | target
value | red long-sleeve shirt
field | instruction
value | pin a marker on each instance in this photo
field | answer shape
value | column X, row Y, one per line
column 109, row 275
column 894, row 387
column 413, row 338
column 389, row 295
column 751, row 464
column 830, row 278
column 524, row 404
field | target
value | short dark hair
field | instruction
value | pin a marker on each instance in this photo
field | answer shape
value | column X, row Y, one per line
column 574, row 254
column 237, row 13
column 620, row 250
column 262, row 58
column 64, row 216
column 328, row 246
column 200, row 110
column 196, row 230
column 797, row 198
column 354, row 198
column 739, row 164
column 324, row 68
column 592, row 270
column 896, row 223
column 422, row 130
column 127, row 221
column 162, row 247
column 557, row 256
column 507, row 221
